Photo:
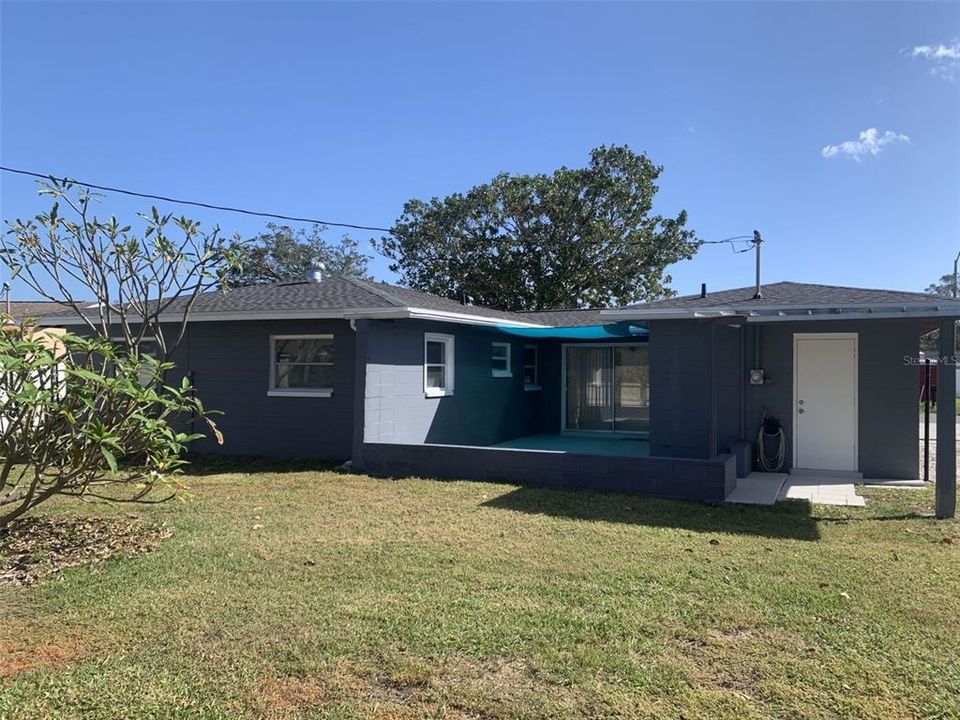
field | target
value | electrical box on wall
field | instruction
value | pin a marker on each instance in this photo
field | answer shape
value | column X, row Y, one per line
column 756, row 376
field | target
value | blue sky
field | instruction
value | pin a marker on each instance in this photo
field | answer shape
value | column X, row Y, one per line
column 345, row 111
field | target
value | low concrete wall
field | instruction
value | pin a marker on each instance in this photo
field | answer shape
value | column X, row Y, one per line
column 695, row 479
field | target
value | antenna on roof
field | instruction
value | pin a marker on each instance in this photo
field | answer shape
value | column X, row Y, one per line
column 757, row 240
column 6, row 296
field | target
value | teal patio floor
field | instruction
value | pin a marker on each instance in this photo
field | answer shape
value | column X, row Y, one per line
column 582, row 444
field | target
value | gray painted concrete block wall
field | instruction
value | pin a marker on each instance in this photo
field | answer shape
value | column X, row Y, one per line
column 483, row 409
column 679, row 410
column 230, row 362
column 695, row 479
column 679, row 399
column 887, row 392
column 230, row 365
column 731, row 382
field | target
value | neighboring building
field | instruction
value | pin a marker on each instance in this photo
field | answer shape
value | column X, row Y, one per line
column 663, row 398
column 29, row 310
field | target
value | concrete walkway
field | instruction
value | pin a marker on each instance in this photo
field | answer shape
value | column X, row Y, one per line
column 760, row 488
column 821, row 490
column 757, row 488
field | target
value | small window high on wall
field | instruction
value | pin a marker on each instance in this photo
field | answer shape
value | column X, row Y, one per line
column 437, row 365
column 301, row 365
column 500, row 360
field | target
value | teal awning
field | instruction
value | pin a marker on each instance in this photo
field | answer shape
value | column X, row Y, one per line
column 583, row 332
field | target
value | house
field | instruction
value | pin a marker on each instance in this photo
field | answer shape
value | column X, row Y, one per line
column 665, row 398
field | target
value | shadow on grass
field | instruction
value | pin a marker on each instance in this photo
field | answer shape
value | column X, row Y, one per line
column 790, row 520
column 201, row 465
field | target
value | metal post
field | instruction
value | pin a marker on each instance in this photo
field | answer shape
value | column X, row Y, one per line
column 946, row 421
column 757, row 240
column 926, row 420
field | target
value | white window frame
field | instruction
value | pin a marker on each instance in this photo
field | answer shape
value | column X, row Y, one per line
column 448, row 364
column 535, row 385
column 273, row 390
column 494, row 372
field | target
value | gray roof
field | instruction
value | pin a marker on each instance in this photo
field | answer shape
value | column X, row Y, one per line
column 783, row 294
column 796, row 301
column 333, row 293
column 566, row 318
column 23, row 309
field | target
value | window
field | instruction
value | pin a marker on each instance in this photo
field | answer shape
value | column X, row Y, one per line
column 437, row 365
column 500, row 360
column 301, row 365
column 531, row 376
column 147, row 346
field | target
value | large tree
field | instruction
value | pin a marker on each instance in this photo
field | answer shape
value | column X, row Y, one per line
column 282, row 254
column 942, row 287
column 930, row 343
column 581, row 237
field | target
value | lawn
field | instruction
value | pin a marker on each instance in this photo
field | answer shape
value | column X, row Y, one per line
column 298, row 592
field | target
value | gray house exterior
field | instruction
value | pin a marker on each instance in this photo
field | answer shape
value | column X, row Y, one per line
column 664, row 398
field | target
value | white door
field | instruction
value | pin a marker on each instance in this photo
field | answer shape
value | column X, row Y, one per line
column 825, row 401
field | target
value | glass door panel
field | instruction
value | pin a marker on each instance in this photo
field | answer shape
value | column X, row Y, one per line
column 589, row 383
column 631, row 388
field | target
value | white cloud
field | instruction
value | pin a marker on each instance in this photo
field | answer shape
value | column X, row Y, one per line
column 870, row 142
column 944, row 59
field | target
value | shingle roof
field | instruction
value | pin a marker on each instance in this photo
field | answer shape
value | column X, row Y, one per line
column 566, row 318
column 330, row 294
column 22, row 309
column 783, row 294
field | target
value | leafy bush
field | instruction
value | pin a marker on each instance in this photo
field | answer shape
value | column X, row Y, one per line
column 86, row 417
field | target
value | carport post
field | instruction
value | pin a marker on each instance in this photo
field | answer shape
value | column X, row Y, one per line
column 946, row 421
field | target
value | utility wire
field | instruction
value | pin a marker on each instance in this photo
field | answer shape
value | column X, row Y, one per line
column 195, row 203
column 733, row 241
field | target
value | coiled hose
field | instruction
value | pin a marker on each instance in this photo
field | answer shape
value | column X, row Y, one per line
column 771, row 428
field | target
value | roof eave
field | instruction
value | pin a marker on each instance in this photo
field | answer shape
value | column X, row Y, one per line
column 398, row 313
column 795, row 313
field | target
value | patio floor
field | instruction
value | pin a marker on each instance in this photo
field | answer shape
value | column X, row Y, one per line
column 583, row 445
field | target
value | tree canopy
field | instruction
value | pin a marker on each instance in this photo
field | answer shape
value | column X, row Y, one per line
column 282, row 254
column 942, row 287
column 580, row 237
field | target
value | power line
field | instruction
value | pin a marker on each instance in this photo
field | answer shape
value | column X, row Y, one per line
column 242, row 211
column 194, row 203
column 751, row 239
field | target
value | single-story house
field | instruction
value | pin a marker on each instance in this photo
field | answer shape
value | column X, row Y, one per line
column 665, row 398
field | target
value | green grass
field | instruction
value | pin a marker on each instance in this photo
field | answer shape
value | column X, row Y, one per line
column 362, row 598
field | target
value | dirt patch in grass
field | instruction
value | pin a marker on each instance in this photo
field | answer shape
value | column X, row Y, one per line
column 456, row 688
column 35, row 548
column 18, row 658
column 375, row 696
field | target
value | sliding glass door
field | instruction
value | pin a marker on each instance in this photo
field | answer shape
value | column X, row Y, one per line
column 607, row 388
